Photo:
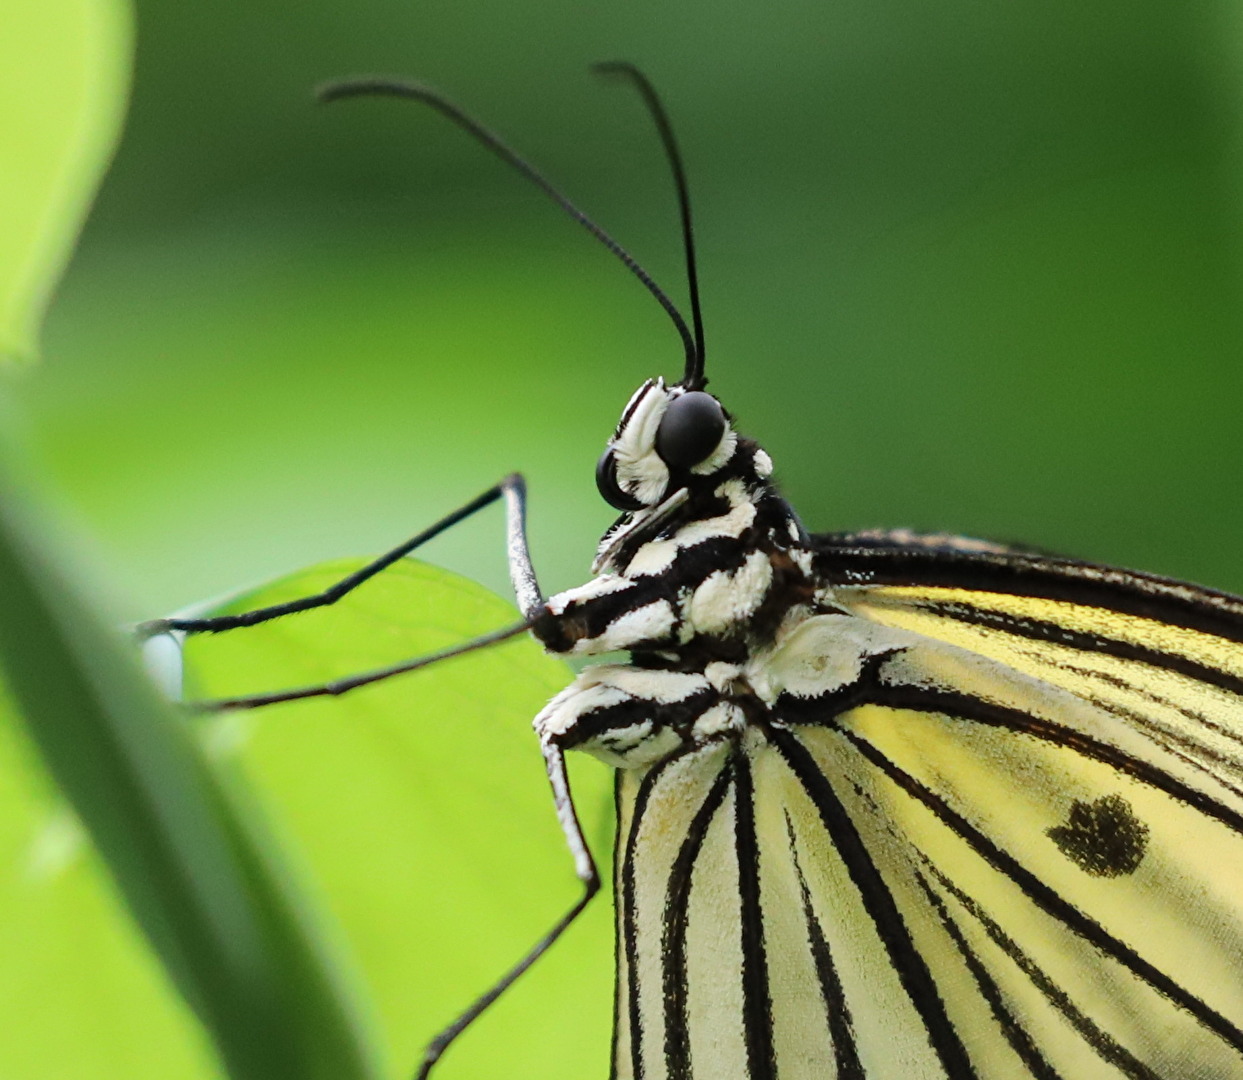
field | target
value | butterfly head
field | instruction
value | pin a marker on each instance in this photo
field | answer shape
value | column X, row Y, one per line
column 676, row 459
column 668, row 438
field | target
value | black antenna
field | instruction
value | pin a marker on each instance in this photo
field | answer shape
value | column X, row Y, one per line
column 694, row 377
column 379, row 86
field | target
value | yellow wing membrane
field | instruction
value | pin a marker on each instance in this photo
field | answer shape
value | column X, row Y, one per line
column 1010, row 844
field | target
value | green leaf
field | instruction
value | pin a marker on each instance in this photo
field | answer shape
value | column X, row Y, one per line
column 420, row 809
column 186, row 851
column 64, row 74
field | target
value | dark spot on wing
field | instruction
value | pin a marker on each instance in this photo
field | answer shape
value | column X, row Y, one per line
column 1103, row 838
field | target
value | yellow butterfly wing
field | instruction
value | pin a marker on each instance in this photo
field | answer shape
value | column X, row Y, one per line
column 1007, row 843
column 1066, row 781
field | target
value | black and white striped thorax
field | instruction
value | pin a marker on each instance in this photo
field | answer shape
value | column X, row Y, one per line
column 699, row 582
column 870, row 788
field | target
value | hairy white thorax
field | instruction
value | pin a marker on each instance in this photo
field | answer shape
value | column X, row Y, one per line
column 699, row 582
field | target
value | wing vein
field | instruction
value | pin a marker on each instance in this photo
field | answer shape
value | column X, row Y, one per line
column 1049, row 901
column 676, row 921
column 757, row 1007
column 836, row 1008
column 909, row 965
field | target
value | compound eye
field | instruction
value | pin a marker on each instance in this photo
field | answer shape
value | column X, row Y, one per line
column 690, row 429
column 606, row 481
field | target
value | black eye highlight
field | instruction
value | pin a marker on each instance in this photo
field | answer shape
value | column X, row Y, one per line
column 606, row 481
column 690, row 429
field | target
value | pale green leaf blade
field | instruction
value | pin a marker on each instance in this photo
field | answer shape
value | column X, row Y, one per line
column 420, row 808
column 64, row 76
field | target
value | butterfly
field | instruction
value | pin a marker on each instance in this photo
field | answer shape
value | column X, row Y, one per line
column 888, row 804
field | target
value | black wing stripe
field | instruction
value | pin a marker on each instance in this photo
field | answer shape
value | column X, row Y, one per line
column 757, row 1005
column 836, row 1008
column 1129, row 592
column 1015, row 1034
column 1192, row 752
column 976, row 710
column 1049, row 901
column 1101, row 1042
column 1038, row 630
column 1195, row 716
column 908, row 964
column 673, row 940
column 869, row 689
column 629, row 915
column 1173, row 743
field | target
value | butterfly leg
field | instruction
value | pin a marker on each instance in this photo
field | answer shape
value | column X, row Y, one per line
column 531, row 602
column 351, row 682
column 584, row 868
column 512, row 489
column 521, row 572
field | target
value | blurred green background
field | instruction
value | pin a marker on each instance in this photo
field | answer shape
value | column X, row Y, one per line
column 966, row 267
